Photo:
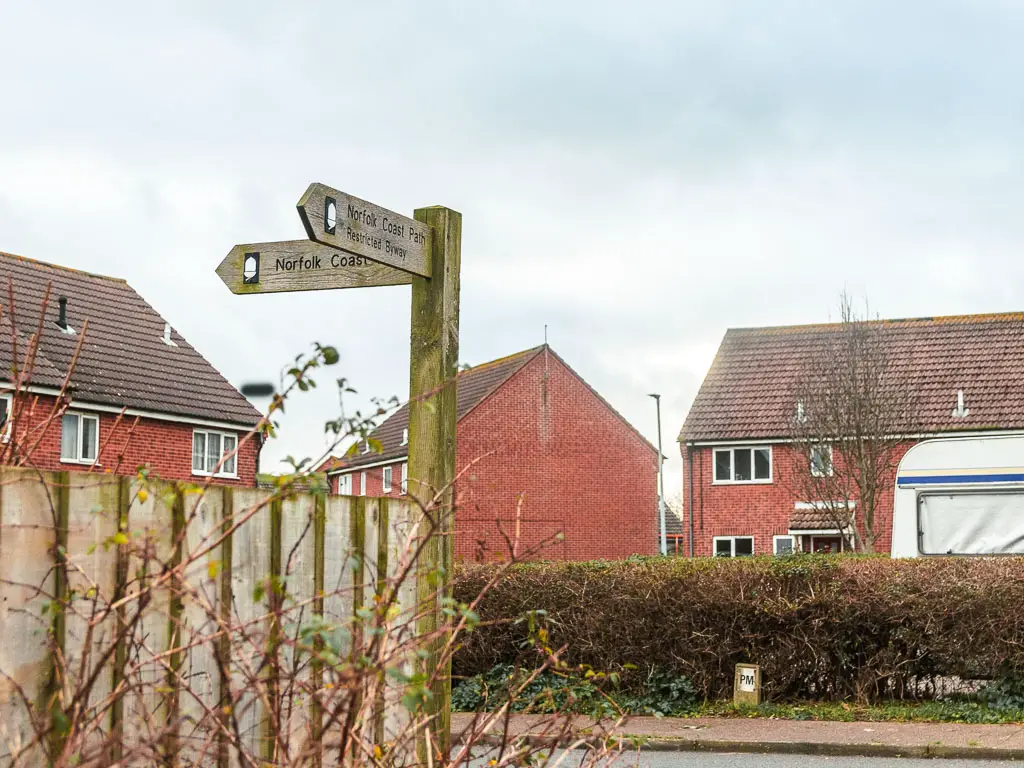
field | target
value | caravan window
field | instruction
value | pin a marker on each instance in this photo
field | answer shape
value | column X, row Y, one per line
column 971, row 523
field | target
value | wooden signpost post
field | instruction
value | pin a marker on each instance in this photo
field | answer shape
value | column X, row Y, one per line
column 355, row 244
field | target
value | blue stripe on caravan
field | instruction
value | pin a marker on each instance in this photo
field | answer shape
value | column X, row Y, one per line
column 1015, row 477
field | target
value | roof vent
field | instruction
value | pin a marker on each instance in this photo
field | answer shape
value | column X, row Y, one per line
column 960, row 412
column 62, row 316
column 405, row 436
column 167, row 336
column 366, row 446
column 801, row 417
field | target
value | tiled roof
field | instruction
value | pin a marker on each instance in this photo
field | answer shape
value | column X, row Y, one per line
column 673, row 522
column 748, row 392
column 812, row 519
column 473, row 385
column 124, row 360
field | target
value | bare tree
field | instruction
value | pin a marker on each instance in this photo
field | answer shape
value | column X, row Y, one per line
column 854, row 410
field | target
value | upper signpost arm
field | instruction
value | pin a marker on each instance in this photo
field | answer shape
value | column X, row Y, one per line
column 356, row 226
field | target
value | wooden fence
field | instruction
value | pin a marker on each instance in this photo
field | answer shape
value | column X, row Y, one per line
column 231, row 572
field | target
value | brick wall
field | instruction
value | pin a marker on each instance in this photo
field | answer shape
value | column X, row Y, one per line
column 545, row 446
column 758, row 510
column 125, row 445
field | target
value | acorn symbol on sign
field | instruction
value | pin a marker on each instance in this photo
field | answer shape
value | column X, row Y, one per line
column 251, row 268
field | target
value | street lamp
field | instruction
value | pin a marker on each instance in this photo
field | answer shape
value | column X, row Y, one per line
column 257, row 389
column 661, row 480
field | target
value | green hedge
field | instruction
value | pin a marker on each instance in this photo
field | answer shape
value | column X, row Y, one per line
column 821, row 627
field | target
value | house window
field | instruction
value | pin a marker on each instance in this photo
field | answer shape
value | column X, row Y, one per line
column 734, row 546
column 743, row 465
column 821, row 460
column 783, row 545
column 213, row 453
column 79, row 438
column 362, row 483
column 405, row 478
column 386, row 481
column 6, row 407
column 345, row 485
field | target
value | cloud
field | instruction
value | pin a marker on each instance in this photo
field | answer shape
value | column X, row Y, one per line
column 636, row 177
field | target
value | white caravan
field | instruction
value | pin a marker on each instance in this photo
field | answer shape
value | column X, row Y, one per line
column 960, row 496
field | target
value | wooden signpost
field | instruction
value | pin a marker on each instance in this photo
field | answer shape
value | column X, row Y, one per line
column 355, row 244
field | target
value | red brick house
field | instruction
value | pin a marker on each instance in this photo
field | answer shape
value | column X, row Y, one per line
column 137, row 395
column 544, row 442
column 737, row 440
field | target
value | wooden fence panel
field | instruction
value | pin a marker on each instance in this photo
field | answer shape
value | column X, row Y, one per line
column 27, row 538
column 298, row 558
column 263, row 566
column 401, row 543
column 150, row 524
column 251, row 549
column 92, row 504
column 204, row 514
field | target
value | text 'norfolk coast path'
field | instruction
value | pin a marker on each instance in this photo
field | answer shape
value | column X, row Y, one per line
column 341, row 221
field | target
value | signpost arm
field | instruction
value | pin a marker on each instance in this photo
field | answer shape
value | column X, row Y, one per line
column 434, row 354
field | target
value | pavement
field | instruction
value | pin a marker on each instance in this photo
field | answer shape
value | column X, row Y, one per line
column 789, row 737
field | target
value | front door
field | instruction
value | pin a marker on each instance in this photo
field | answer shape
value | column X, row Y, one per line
column 827, row 544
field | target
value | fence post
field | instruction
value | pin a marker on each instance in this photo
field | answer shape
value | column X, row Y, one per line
column 124, row 500
column 433, row 364
column 53, row 690
column 223, row 648
column 319, row 545
column 175, row 611
column 275, row 604
column 379, row 589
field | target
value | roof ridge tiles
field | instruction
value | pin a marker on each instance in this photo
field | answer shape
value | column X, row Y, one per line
column 62, row 268
column 936, row 319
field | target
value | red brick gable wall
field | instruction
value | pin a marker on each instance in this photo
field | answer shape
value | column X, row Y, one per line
column 545, row 438
column 759, row 510
column 544, row 443
column 164, row 446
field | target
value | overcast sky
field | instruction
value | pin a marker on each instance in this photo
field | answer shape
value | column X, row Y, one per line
column 638, row 176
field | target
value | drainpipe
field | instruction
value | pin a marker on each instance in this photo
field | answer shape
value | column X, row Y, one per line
column 689, row 461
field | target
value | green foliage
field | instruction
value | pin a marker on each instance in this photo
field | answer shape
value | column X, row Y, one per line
column 548, row 692
column 580, row 689
column 1004, row 695
column 662, row 693
column 953, row 710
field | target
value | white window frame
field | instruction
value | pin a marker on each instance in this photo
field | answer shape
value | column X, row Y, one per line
column 385, row 479
column 219, row 465
column 347, row 490
column 5, row 433
column 732, row 465
column 81, row 435
column 776, row 539
column 831, row 465
column 405, row 478
column 362, row 483
column 732, row 545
